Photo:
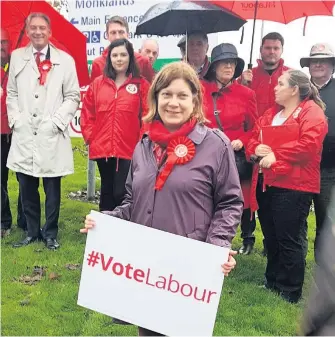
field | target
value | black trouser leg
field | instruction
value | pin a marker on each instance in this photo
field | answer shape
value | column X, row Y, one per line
column 113, row 173
column 248, row 226
column 21, row 219
column 31, row 205
column 120, row 177
column 6, row 215
column 290, row 211
column 52, row 189
column 107, row 169
column 321, row 203
column 268, row 228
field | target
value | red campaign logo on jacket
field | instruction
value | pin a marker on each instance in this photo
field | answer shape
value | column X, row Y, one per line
column 132, row 89
column 180, row 151
column 44, row 67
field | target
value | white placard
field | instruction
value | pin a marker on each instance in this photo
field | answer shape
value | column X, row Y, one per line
column 160, row 281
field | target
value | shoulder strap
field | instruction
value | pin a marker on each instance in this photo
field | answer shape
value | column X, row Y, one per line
column 216, row 112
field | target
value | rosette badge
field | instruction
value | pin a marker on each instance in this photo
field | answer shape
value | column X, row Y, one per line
column 180, row 151
column 44, row 68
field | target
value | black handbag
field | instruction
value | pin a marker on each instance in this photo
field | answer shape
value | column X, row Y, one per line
column 243, row 166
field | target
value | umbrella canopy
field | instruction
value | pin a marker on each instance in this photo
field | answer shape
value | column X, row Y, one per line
column 277, row 11
column 180, row 17
column 281, row 11
column 64, row 35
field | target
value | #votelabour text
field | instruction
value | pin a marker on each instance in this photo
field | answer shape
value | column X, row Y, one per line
column 169, row 283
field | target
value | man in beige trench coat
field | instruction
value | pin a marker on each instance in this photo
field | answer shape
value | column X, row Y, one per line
column 39, row 114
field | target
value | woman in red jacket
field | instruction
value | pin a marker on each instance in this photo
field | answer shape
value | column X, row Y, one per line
column 288, row 146
column 231, row 107
column 111, row 120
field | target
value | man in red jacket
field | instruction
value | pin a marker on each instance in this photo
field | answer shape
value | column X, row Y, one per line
column 263, row 78
column 117, row 28
column 6, row 215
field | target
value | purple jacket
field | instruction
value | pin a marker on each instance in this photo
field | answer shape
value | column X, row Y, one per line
column 201, row 199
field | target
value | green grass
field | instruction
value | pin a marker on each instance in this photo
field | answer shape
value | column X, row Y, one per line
column 245, row 309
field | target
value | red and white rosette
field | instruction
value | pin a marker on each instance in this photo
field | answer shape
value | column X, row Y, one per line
column 44, row 67
column 180, row 151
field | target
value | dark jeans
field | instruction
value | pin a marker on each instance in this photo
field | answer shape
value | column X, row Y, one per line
column 283, row 216
column 30, row 198
column 113, row 173
column 321, row 203
column 6, row 214
column 248, row 226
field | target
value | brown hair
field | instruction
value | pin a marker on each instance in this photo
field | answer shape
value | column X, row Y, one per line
column 307, row 90
column 170, row 72
column 273, row 36
column 38, row 15
column 117, row 19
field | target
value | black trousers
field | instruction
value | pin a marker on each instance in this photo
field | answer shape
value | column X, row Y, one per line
column 248, row 226
column 30, row 198
column 113, row 173
column 321, row 203
column 6, row 214
column 283, row 216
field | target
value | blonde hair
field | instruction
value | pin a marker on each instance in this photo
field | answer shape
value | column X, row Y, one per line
column 170, row 72
column 307, row 90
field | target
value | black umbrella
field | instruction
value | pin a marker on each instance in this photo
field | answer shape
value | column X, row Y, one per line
column 179, row 17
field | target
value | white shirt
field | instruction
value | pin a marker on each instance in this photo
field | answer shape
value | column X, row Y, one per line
column 43, row 53
column 278, row 119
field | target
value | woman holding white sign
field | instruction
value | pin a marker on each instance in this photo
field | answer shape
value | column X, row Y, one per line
column 183, row 178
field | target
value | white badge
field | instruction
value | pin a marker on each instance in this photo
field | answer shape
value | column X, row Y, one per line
column 131, row 88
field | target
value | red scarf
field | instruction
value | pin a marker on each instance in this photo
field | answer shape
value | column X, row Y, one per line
column 160, row 135
column 180, row 149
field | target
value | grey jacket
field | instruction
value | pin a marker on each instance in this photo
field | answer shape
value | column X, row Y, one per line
column 201, row 200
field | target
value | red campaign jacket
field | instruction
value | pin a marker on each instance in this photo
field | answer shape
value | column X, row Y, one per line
column 263, row 84
column 4, row 119
column 143, row 63
column 110, row 121
column 298, row 162
column 238, row 115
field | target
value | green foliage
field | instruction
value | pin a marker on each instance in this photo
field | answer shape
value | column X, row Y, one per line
column 49, row 308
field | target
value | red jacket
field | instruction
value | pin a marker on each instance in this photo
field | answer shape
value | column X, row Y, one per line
column 110, row 121
column 143, row 63
column 238, row 114
column 263, row 84
column 4, row 119
column 297, row 164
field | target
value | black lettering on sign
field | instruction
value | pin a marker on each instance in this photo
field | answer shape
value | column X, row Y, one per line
column 86, row 20
column 103, row 3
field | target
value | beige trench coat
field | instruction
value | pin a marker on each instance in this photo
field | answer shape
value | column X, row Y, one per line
column 39, row 115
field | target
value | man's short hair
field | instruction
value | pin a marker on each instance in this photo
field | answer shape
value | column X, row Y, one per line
column 199, row 33
column 38, row 15
column 117, row 19
column 273, row 36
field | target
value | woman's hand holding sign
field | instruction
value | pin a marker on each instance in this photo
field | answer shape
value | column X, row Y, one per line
column 89, row 224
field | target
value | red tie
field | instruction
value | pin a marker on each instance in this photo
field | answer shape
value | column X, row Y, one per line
column 38, row 58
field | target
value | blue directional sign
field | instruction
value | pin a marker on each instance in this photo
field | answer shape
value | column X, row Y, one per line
column 88, row 36
column 95, row 36
column 74, row 21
